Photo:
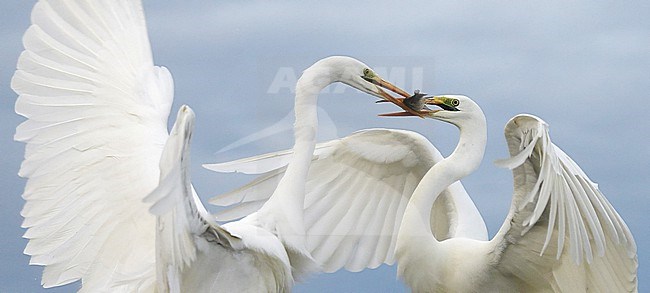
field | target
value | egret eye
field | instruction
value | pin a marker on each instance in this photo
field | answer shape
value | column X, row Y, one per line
column 455, row 102
column 368, row 73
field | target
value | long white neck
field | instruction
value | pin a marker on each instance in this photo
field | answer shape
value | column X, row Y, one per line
column 284, row 210
column 422, row 260
column 463, row 161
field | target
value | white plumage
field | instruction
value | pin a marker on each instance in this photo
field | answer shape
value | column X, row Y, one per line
column 357, row 190
column 97, row 110
column 561, row 234
column 108, row 196
column 98, row 157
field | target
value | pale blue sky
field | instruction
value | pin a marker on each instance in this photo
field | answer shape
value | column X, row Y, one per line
column 582, row 66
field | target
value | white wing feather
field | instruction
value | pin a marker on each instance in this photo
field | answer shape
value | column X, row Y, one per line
column 253, row 195
column 357, row 190
column 559, row 221
column 97, row 111
column 183, row 223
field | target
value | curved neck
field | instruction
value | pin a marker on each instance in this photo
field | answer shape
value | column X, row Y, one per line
column 284, row 210
column 463, row 161
column 305, row 129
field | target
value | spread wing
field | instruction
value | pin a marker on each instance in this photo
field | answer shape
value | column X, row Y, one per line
column 357, row 190
column 96, row 110
column 182, row 219
column 561, row 230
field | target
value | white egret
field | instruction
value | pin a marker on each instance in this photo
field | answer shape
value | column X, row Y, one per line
column 554, row 203
column 98, row 158
column 561, row 234
column 356, row 192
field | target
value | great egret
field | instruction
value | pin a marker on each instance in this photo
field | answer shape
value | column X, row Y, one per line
column 99, row 158
column 356, row 192
column 554, row 205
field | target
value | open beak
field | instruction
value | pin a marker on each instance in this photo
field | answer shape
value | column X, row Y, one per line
column 422, row 113
column 378, row 81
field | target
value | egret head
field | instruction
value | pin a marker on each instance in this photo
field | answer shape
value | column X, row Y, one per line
column 454, row 109
column 371, row 83
column 360, row 76
column 352, row 72
column 366, row 80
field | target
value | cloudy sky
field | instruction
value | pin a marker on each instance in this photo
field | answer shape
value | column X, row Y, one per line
column 582, row 66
